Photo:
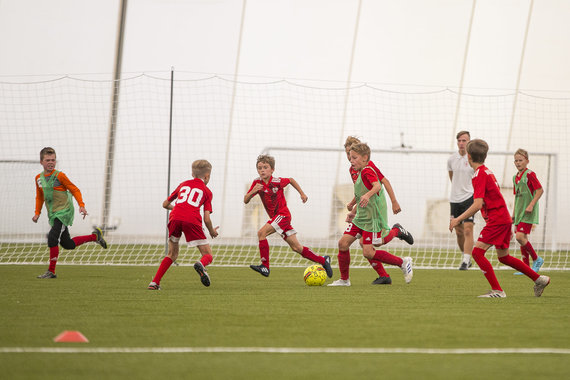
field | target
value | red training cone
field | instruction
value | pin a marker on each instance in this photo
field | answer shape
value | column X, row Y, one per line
column 70, row 336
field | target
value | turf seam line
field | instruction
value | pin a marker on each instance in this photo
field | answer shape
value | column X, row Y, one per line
column 283, row 350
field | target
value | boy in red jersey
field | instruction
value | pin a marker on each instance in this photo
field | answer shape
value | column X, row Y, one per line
column 487, row 197
column 368, row 219
column 527, row 190
column 270, row 190
column 56, row 190
column 185, row 218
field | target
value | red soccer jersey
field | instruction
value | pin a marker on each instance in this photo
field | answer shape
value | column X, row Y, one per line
column 533, row 182
column 272, row 196
column 189, row 196
column 354, row 173
column 485, row 186
column 369, row 176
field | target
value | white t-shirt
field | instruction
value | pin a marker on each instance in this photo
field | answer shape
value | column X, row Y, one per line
column 461, row 186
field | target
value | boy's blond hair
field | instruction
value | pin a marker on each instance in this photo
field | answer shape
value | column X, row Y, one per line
column 351, row 140
column 478, row 149
column 266, row 159
column 522, row 152
column 45, row 151
column 200, row 168
column 362, row 149
column 461, row 133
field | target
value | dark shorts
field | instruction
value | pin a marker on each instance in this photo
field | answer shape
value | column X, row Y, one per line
column 459, row 208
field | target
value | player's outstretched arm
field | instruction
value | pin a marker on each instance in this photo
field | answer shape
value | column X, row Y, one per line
column 208, row 222
column 388, row 186
column 252, row 193
column 297, row 187
column 167, row 205
column 476, row 206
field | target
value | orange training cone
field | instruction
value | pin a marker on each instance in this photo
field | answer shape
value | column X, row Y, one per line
column 70, row 336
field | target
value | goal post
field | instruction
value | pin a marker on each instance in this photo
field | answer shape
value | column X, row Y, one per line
column 163, row 124
column 421, row 185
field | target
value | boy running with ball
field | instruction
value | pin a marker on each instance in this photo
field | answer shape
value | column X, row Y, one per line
column 270, row 190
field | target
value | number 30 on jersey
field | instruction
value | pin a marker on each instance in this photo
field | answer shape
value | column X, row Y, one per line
column 192, row 196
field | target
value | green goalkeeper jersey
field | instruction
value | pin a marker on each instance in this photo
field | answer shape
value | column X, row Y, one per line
column 58, row 203
column 523, row 197
column 373, row 217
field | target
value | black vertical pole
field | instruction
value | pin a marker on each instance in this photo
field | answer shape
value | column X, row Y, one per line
column 169, row 150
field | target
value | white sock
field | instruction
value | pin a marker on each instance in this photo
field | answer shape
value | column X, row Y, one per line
column 466, row 258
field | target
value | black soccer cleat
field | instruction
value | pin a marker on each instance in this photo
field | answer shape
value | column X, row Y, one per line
column 47, row 274
column 100, row 239
column 261, row 269
column 199, row 267
column 465, row 266
column 327, row 266
column 403, row 234
column 382, row 280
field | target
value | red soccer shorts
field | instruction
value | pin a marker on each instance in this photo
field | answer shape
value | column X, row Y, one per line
column 282, row 225
column 193, row 233
column 525, row 228
column 498, row 235
column 374, row 238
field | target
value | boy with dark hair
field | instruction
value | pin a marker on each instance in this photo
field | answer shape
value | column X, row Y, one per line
column 487, row 197
column 270, row 190
column 57, row 192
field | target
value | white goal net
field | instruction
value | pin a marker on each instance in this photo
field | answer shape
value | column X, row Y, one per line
column 230, row 124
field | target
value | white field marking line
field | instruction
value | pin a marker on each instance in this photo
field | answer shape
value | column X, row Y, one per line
column 281, row 350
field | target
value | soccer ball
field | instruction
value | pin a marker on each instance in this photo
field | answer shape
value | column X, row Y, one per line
column 315, row 275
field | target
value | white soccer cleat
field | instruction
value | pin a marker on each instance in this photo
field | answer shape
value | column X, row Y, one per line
column 407, row 269
column 494, row 294
column 340, row 282
column 539, row 285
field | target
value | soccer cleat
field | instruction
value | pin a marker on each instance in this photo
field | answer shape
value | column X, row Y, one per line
column 537, row 264
column 382, row 280
column 199, row 267
column 494, row 294
column 47, row 274
column 539, row 285
column 100, row 239
column 407, row 269
column 261, row 269
column 340, row 282
column 518, row 273
column 327, row 266
column 403, row 234
column 153, row 286
column 465, row 266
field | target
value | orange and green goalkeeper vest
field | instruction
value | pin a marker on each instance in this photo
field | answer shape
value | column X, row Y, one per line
column 58, row 203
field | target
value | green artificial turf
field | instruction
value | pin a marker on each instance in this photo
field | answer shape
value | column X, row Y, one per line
column 111, row 306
